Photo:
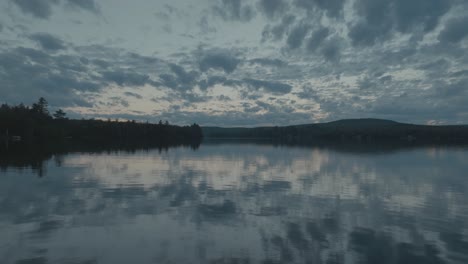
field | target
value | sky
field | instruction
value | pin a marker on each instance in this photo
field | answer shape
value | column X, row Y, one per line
column 238, row 62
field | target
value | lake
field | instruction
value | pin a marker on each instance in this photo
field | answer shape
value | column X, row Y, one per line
column 237, row 202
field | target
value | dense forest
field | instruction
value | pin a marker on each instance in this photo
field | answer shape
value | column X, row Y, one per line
column 362, row 130
column 36, row 124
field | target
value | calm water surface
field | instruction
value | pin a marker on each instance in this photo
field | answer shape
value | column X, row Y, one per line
column 238, row 203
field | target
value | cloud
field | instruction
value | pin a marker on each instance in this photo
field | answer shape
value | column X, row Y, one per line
column 331, row 49
column 317, row 38
column 221, row 60
column 135, row 95
column 169, row 80
column 234, row 10
column 38, row 8
column 253, row 85
column 205, row 26
column 116, row 101
column 276, row 32
column 180, row 79
column 48, row 42
column 124, row 77
column 297, row 35
column 268, row 62
column 374, row 24
column 333, row 8
column 212, row 81
column 44, row 78
column 185, row 78
column 416, row 13
column 377, row 19
column 268, row 86
column 68, row 79
column 455, row 30
column 273, row 8
column 391, row 53
column 89, row 5
column 43, row 8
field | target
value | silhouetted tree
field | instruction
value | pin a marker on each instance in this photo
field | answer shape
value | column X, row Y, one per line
column 60, row 114
column 41, row 107
column 35, row 124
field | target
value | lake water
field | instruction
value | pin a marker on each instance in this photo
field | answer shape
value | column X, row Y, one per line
column 238, row 203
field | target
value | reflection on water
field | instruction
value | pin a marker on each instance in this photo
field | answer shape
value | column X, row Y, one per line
column 236, row 203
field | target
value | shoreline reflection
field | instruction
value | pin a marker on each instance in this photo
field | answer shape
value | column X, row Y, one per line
column 231, row 202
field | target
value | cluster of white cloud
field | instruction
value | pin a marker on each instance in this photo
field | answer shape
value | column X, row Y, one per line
column 240, row 62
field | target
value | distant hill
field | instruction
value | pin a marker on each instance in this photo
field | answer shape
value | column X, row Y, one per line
column 348, row 129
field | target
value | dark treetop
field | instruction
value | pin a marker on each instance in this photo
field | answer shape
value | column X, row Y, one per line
column 35, row 124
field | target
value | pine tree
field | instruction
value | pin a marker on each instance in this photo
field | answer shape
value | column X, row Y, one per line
column 60, row 114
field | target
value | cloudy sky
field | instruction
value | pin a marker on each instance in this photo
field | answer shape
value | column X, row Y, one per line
column 239, row 62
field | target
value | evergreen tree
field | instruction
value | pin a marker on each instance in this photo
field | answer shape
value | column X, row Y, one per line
column 60, row 114
column 41, row 107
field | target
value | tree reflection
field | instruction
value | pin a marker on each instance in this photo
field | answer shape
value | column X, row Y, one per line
column 240, row 203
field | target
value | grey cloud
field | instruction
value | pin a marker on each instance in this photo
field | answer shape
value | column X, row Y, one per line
column 220, row 60
column 234, row 10
column 455, row 30
column 43, row 8
column 273, row 8
column 253, row 85
column 212, row 81
column 268, row 86
column 331, row 50
column 186, row 78
column 416, row 107
column 413, row 13
column 453, row 90
column 333, row 7
column 366, row 34
column 89, row 5
column 317, row 38
column 56, row 83
column 38, row 8
column 45, row 77
column 181, row 80
column 276, row 32
column 122, row 77
column 162, row 15
column 169, row 80
column 375, row 23
column 205, row 26
column 223, row 98
column 459, row 73
column 192, row 97
column 37, row 56
column 297, row 35
column 48, row 42
column 268, row 62
column 372, row 83
column 117, row 101
column 135, row 95
column 249, row 108
column 101, row 63
column 310, row 93
column 437, row 65
column 171, row 9
column 378, row 18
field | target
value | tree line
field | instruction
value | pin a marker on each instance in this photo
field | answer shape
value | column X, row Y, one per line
column 35, row 123
column 358, row 130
